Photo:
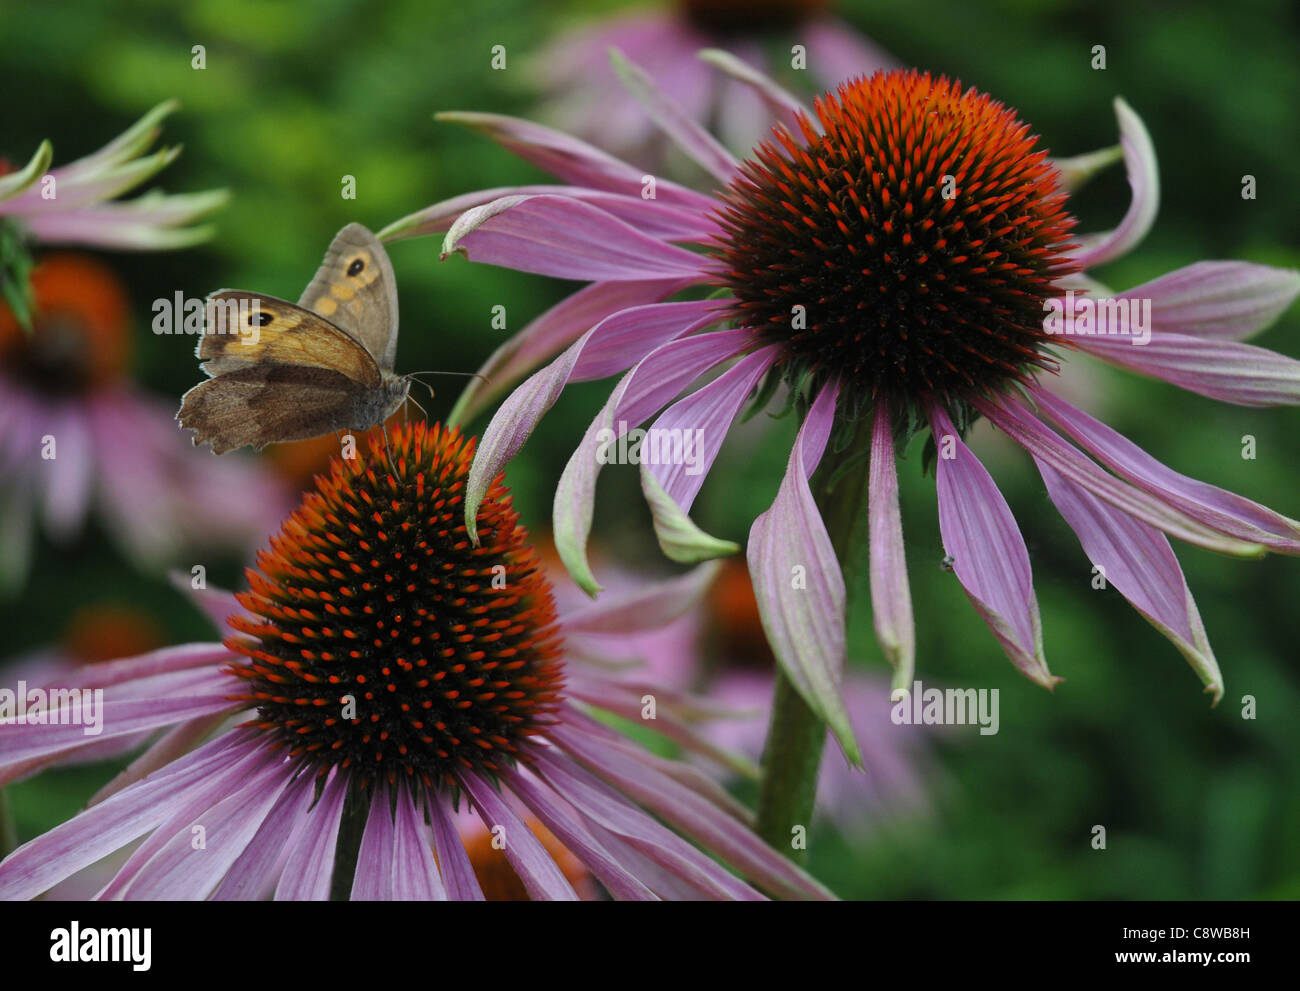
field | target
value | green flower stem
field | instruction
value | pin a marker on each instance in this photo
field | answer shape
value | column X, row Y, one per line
column 796, row 735
column 356, row 809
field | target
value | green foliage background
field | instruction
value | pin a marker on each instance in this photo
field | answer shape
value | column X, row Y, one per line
column 1197, row 802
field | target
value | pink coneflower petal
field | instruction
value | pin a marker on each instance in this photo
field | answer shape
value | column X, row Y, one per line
column 572, row 161
column 254, row 875
column 1216, row 508
column 453, row 860
column 19, row 743
column 549, row 334
column 542, row 802
column 798, row 582
column 688, row 811
column 308, row 871
column 69, row 476
column 373, row 880
column 1040, row 441
column 703, row 148
column 415, row 872
column 541, row 876
column 1225, row 370
column 94, row 834
column 989, row 555
column 1222, row 300
column 176, row 741
column 702, row 419
column 891, row 597
column 1143, row 179
column 642, row 607
column 606, row 810
column 655, row 380
column 565, row 238
column 780, row 102
column 837, row 52
column 185, row 869
column 666, row 221
column 1138, row 560
column 515, row 419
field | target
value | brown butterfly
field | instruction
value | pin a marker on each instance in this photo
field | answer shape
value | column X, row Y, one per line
column 280, row 372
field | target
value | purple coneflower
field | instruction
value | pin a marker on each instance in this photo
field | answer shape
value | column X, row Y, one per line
column 75, row 434
column 71, row 205
column 395, row 670
column 890, row 258
column 586, row 99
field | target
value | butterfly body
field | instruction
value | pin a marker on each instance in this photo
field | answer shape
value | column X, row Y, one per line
column 281, row 371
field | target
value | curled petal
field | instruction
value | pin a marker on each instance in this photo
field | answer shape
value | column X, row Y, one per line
column 1138, row 560
column 1222, row 300
column 798, row 582
column 891, row 598
column 988, row 553
column 567, row 239
column 1143, row 179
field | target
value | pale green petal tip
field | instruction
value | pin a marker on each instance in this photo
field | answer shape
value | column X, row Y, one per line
column 574, row 556
column 679, row 538
column 12, row 185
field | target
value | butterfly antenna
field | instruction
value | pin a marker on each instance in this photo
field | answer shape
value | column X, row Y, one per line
column 418, row 406
column 435, row 371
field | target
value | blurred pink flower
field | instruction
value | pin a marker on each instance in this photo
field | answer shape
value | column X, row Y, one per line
column 75, row 434
column 585, row 98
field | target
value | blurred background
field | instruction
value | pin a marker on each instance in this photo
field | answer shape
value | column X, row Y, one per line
column 1197, row 802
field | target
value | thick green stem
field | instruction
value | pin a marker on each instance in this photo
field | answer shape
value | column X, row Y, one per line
column 356, row 809
column 796, row 735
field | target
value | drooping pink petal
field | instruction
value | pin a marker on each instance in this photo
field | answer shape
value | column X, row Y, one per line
column 782, row 104
column 415, row 872
column 457, row 871
column 73, row 845
column 551, row 333
column 309, row 870
column 698, row 818
column 607, row 809
column 703, row 148
column 69, row 477
column 647, row 606
column 798, row 582
column 20, row 742
column 1138, row 560
column 655, row 380
column 567, row 239
column 1225, row 300
column 573, row 161
column 541, row 877
column 641, row 327
column 1225, row 370
column 661, row 220
column 1143, row 179
column 373, row 880
column 989, row 555
column 171, row 745
column 545, row 804
column 681, row 446
column 891, row 597
column 254, row 875
column 190, row 865
column 1040, row 441
column 1210, row 505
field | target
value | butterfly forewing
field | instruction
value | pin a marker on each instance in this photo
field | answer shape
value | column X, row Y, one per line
column 354, row 288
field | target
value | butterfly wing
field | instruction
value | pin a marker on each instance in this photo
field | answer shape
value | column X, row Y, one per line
column 265, row 404
column 355, row 289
